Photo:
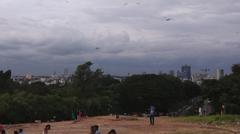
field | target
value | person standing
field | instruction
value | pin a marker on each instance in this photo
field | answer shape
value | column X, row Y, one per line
column 200, row 111
column 79, row 115
column 222, row 110
column 73, row 115
column 151, row 115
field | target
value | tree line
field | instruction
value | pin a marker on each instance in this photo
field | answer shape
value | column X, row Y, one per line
column 96, row 93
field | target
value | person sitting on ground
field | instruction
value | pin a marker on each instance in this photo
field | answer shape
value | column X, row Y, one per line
column 20, row 131
column 47, row 127
column 92, row 130
column 95, row 130
column 16, row 132
column 3, row 132
column 113, row 131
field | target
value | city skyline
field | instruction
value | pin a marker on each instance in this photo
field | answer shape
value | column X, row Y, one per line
column 120, row 37
column 180, row 72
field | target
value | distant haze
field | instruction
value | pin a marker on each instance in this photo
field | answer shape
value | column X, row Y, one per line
column 119, row 36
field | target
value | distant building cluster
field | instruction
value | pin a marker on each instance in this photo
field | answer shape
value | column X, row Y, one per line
column 204, row 74
column 119, row 78
column 47, row 80
column 184, row 74
column 52, row 79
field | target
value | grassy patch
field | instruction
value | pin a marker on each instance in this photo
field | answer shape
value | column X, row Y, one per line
column 211, row 119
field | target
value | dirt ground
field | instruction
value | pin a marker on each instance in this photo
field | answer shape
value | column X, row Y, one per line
column 127, row 125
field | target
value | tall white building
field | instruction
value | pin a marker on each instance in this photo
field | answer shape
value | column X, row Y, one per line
column 219, row 74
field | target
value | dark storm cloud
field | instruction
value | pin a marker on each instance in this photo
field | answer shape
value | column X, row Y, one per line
column 121, row 36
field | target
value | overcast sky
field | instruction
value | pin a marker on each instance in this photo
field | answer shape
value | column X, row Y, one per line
column 119, row 36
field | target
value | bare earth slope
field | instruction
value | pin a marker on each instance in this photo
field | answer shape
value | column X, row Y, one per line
column 126, row 125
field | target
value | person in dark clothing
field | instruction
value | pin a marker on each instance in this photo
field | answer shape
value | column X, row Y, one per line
column 113, row 131
column 95, row 129
column 151, row 115
column 20, row 131
column 92, row 130
column 1, row 128
column 46, row 129
column 3, row 132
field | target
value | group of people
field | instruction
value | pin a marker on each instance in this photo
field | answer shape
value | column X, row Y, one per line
column 77, row 115
column 204, row 111
column 20, row 131
column 95, row 130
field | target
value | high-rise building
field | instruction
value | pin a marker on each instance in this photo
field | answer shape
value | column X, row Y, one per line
column 65, row 72
column 186, row 72
column 219, row 74
column 179, row 74
column 172, row 73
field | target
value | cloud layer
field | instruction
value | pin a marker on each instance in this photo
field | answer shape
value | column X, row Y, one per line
column 42, row 36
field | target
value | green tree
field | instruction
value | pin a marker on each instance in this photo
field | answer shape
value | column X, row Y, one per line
column 6, row 82
column 225, row 91
column 138, row 92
